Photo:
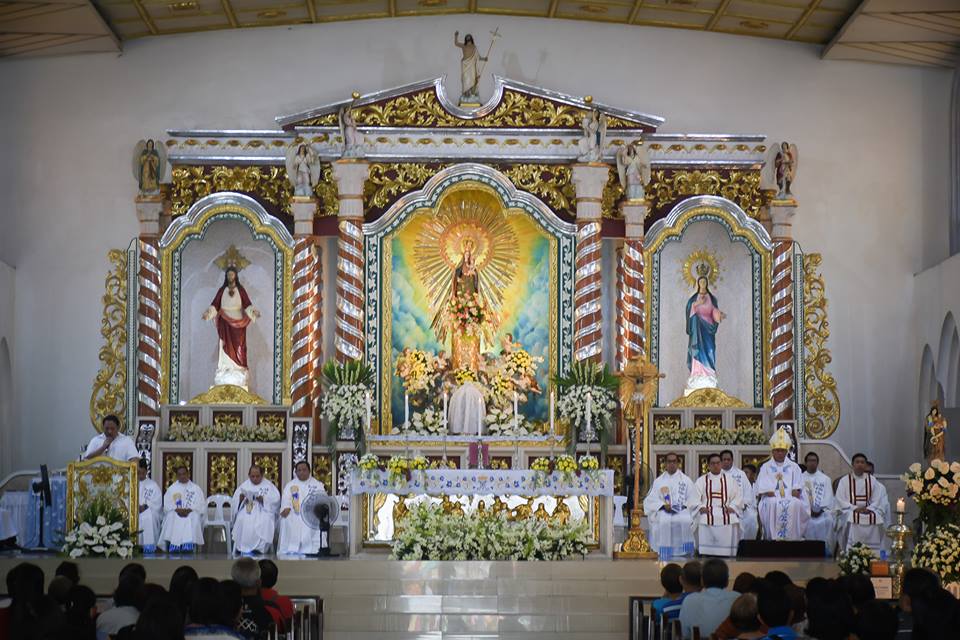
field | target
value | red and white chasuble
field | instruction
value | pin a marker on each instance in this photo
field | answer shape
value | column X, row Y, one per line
column 718, row 528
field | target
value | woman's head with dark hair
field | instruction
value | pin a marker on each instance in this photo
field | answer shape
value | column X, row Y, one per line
column 232, row 602
column 133, row 569
column 181, row 581
column 773, row 605
column 69, row 570
column 151, row 591
column 226, row 277
column 829, row 612
column 81, row 604
column 27, row 584
column 129, row 592
column 778, row 578
column 920, row 583
column 206, row 602
column 860, row 589
column 160, row 620
column 744, row 582
column 268, row 573
column 877, row 620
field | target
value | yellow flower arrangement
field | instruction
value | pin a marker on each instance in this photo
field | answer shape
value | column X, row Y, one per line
column 419, row 463
column 541, row 464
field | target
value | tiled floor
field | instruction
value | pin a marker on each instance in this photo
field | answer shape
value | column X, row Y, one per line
column 382, row 599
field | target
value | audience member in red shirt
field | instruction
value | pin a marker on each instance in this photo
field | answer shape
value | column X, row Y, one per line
column 280, row 607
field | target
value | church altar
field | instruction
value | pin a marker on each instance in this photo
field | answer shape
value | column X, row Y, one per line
column 472, row 271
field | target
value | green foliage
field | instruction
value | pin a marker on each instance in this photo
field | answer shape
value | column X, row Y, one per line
column 352, row 372
column 587, row 374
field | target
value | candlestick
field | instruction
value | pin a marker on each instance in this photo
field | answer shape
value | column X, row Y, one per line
column 444, row 419
column 406, row 411
column 901, row 505
column 368, row 410
column 553, row 400
column 479, row 417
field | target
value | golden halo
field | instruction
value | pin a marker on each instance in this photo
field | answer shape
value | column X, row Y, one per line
column 696, row 263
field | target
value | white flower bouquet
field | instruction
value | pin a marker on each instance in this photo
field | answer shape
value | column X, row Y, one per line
column 937, row 550
column 856, row 560
column 499, row 420
column 426, row 422
column 936, row 490
column 102, row 532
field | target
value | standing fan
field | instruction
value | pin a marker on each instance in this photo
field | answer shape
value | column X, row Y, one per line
column 320, row 512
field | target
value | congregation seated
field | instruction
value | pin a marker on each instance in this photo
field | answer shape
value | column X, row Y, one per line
column 33, row 615
column 669, row 604
column 279, row 607
column 127, row 601
column 931, row 607
column 774, row 611
column 255, row 621
column 709, row 607
column 744, row 619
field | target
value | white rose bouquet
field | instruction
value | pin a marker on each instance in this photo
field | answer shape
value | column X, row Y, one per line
column 856, row 560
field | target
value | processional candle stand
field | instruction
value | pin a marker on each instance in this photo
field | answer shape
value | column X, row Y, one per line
column 899, row 534
column 638, row 381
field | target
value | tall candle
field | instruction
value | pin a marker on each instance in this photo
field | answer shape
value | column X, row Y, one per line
column 444, row 419
column 589, row 410
column 901, row 505
column 553, row 400
column 368, row 410
column 479, row 417
column 406, row 411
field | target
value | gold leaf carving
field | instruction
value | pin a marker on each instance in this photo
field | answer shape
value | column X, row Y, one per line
column 748, row 421
column 170, row 464
column 551, row 183
column 109, row 387
column 387, row 181
column 326, row 192
column 322, row 469
column 190, row 183
column 222, row 473
column 742, row 187
column 704, row 398
column 227, row 394
column 707, row 422
column 822, row 407
column 270, row 463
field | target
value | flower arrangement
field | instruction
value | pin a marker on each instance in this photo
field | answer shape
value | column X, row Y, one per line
column 519, row 364
column 344, row 403
column 710, row 435
column 398, row 468
column 225, row 433
column 587, row 380
column 417, row 369
column 419, row 463
column 463, row 376
column 468, row 314
column 369, row 465
column 542, row 465
column 937, row 550
column 102, row 532
column 856, row 560
column 936, row 490
column 427, row 422
column 499, row 421
column 430, row 534
column 590, row 466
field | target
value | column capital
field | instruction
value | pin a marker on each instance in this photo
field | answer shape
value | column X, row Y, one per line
column 304, row 209
column 588, row 181
column 149, row 208
column 350, row 176
column 634, row 213
column 781, row 215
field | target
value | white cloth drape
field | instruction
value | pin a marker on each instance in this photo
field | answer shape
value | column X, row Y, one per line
column 467, row 410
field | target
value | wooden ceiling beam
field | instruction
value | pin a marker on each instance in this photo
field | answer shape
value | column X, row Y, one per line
column 145, row 16
column 802, row 20
column 721, row 9
column 231, row 16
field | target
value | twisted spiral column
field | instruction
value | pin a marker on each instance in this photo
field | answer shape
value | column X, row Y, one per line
column 349, row 339
column 782, row 336
column 148, row 330
column 589, row 181
column 632, row 319
column 306, row 328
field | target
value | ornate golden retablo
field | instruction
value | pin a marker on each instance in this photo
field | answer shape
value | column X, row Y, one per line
column 709, row 398
column 227, row 394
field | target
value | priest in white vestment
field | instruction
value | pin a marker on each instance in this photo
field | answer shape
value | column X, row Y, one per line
column 669, row 507
column 749, row 523
column 784, row 510
column 255, row 504
column 862, row 507
column 718, row 519
column 295, row 536
column 820, row 495
column 184, row 505
column 111, row 443
column 151, row 509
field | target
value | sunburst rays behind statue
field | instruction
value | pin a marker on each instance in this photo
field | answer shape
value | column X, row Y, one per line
column 466, row 221
column 701, row 263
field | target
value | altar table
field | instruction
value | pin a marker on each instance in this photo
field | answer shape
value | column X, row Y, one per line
column 476, row 482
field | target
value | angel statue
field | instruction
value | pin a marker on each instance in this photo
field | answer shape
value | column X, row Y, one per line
column 594, row 137
column 149, row 162
column 934, row 434
column 348, row 131
column 303, row 169
column 785, row 162
column 633, row 169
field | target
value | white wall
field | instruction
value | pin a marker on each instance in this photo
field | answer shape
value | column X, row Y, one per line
column 872, row 181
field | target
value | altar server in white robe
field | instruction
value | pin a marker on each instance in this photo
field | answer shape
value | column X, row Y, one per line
column 721, row 504
column 295, row 536
column 670, row 508
column 184, row 505
column 784, row 509
column 151, row 509
column 862, row 507
column 749, row 524
column 819, row 488
column 255, row 504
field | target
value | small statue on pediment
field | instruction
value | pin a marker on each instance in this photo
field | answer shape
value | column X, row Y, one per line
column 633, row 169
column 149, row 163
column 303, row 169
column 594, row 137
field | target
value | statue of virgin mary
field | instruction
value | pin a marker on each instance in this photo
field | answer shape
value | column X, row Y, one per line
column 703, row 318
column 233, row 311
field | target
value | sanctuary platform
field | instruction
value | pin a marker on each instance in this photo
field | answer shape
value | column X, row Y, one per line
column 393, row 600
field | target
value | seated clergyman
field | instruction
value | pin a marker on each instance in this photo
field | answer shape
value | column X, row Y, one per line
column 255, row 504
column 669, row 507
column 183, row 514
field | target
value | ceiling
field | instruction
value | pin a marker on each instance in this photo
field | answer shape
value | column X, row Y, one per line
column 925, row 32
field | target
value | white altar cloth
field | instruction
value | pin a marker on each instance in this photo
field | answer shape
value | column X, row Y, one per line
column 460, row 482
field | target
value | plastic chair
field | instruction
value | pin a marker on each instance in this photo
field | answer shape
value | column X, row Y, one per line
column 618, row 518
column 219, row 520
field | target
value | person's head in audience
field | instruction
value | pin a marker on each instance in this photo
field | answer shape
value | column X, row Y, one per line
column 726, row 459
column 246, row 573
column 751, row 471
column 207, row 604
column 181, row 584
column 59, row 590
column 81, row 605
column 268, row 573
column 714, row 465
column 743, row 616
column 671, row 463
column 690, row 577
column 919, row 584
column 744, row 583
column 715, row 574
column 302, row 470
column 859, row 462
column 670, row 580
column 829, row 614
column 160, row 620
column 129, row 592
column 778, row 578
column 27, row 587
column 151, row 591
column 183, row 474
column 32, row 612
column 773, row 606
column 932, row 607
column 68, row 570
column 134, row 569
column 859, row 588
column 232, row 602
column 142, row 469
column 812, row 462
column 877, row 620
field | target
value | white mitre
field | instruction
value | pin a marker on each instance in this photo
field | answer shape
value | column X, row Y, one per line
column 781, row 440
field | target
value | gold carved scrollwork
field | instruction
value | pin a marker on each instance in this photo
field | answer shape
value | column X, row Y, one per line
column 115, row 479
column 748, row 421
column 270, row 463
column 170, row 464
column 190, row 183
column 387, row 181
column 326, row 192
column 227, row 394
column 551, row 183
column 707, row 422
column 272, row 421
column 184, row 419
column 666, row 421
column 322, row 469
column 108, row 396
column 222, row 473
column 612, row 193
column 822, row 407
column 231, row 419
column 702, row 398
column 423, row 109
column 741, row 187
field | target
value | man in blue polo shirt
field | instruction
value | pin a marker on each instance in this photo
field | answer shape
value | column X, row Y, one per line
column 775, row 611
column 672, row 592
column 708, row 608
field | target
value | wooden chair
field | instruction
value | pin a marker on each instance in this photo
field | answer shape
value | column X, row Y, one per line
column 696, row 633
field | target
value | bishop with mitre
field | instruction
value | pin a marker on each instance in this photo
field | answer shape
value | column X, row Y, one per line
column 784, row 511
